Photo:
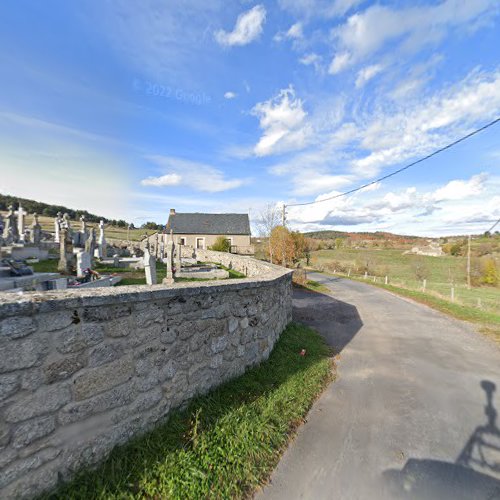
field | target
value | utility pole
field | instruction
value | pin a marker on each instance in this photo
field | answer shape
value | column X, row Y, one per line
column 283, row 216
column 468, row 262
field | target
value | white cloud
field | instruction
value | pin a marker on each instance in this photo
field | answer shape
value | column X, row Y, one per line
column 230, row 95
column 162, row 181
column 364, row 33
column 339, row 63
column 163, row 40
column 249, row 27
column 282, row 119
column 367, row 73
column 312, row 59
column 451, row 209
column 198, row 176
column 427, row 124
column 294, row 33
column 318, row 8
column 460, row 189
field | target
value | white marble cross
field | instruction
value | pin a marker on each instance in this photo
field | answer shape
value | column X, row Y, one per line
column 20, row 222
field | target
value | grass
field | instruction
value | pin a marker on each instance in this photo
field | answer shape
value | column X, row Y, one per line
column 226, row 443
column 440, row 272
column 129, row 276
column 314, row 286
column 46, row 266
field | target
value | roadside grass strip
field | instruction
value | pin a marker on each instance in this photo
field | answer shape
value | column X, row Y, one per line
column 225, row 443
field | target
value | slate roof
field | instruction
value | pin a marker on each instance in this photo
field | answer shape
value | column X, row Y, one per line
column 218, row 224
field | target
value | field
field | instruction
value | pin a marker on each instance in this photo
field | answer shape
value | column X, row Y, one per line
column 442, row 274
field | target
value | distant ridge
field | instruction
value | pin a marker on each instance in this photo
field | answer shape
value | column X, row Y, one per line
column 32, row 206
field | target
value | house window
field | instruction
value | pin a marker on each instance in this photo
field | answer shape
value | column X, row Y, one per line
column 182, row 241
column 200, row 243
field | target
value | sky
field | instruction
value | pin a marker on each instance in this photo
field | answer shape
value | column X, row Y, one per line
column 128, row 108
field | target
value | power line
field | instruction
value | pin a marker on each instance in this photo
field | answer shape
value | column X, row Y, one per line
column 406, row 167
column 494, row 226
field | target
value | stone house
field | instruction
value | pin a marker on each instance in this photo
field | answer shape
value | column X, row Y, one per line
column 197, row 230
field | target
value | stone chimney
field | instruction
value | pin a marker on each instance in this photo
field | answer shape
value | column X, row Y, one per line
column 172, row 211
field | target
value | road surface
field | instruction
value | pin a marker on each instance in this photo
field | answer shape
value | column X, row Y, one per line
column 413, row 412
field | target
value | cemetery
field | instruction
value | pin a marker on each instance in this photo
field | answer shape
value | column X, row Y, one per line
column 69, row 257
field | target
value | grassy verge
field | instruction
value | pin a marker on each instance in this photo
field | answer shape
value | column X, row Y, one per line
column 313, row 286
column 225, row 443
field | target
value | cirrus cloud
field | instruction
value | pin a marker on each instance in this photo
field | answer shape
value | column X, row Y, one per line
column 249, row 27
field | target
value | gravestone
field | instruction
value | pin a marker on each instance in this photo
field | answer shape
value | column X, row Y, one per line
column 150, row 268
column 82, row 263
column 36, row 230
column 57, row 226
column 169, row 278
column 66, row 257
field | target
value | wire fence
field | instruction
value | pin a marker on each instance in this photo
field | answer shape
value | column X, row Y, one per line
column 482, row 298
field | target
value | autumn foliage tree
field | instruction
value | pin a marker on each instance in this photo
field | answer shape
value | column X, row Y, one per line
column 287, row 247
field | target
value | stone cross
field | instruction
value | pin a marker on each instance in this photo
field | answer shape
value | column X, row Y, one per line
column 82, row 263
column 36, row 230
column 150, row 268
column 57, row 226
column 10, row 233
column 84, row 234
column 178, row 256
column 169, row 278
column 101, row 250
column 65, row 223
column 20, row 223
column 90, row 244
column 65, row 252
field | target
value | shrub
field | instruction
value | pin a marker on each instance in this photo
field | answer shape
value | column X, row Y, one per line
column 221, row 244
column 490, row 275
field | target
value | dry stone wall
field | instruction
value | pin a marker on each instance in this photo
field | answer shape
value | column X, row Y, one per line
column 83, row 371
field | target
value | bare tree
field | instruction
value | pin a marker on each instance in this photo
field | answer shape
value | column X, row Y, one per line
column 269, row 218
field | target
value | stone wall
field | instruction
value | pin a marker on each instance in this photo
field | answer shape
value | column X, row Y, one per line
column 83, row 371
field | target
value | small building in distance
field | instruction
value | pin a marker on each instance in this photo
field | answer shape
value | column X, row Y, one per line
column 199, row 230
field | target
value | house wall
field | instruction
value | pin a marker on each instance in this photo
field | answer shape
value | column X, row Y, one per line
column 240, row 243
column 237, row 239
column 84, row 370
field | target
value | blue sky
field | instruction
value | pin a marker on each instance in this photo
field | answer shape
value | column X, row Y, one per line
column 130, row 107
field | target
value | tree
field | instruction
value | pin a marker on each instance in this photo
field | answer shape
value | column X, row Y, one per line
column 420, row 268
column 269, row 219
column 490, row 275
column 222, row 244
column 150, row 225
column 339, row 243
column 282, row 245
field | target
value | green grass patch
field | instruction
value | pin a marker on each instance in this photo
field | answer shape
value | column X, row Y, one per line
column 46, row 266
column 314, row 286
column 225, row 443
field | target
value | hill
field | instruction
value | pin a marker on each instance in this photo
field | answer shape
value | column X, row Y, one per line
column 48, row 210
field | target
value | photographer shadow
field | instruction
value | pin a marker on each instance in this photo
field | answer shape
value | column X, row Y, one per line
column 474, row 475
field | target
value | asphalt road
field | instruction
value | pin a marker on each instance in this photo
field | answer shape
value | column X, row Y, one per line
column 413, row 412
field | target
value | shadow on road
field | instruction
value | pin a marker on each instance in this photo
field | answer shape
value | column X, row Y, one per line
column 475, row 474
column 338, row 322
